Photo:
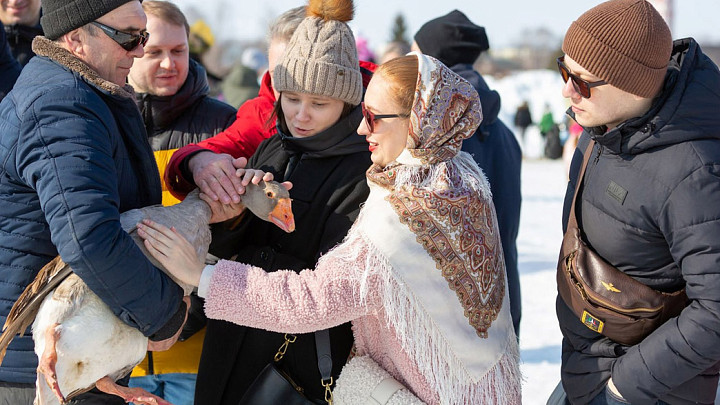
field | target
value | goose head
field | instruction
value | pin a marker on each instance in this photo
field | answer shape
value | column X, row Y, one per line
column 270, row 201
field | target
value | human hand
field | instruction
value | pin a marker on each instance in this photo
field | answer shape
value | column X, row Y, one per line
column 222, row 212
column 166, row 344
column 172, row 250
column 215, row 175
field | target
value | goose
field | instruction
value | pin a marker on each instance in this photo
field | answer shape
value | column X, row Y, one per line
column 79, row 342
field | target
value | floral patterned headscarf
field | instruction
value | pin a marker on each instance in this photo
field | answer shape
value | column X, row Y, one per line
column 443, row 197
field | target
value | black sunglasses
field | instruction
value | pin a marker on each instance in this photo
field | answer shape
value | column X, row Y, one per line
column 370, row 117
column 126, row 40
column 581, row 86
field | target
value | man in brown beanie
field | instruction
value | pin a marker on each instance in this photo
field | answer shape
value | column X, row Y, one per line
column 75, row 155
column 651, row 107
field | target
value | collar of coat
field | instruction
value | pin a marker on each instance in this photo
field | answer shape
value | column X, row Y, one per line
column 52, row 50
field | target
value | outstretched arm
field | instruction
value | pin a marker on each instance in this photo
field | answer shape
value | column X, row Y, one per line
column 281, row 301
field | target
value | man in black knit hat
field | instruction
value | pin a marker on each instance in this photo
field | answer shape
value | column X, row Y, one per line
column 457, row 42
column 75, row 155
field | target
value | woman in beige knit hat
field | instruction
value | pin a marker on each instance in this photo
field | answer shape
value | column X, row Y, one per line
column 316, row 148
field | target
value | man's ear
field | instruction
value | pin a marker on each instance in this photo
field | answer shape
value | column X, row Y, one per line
column 73, row 41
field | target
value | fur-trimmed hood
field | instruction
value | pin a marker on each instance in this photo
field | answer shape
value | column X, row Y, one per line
column 50, row 49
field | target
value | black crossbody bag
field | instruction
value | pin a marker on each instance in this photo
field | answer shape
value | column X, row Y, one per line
column 274, row 386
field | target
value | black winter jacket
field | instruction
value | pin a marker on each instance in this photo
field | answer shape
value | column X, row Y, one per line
column 497, row 152
column 188, row 116
column 650, row 207
column 329, row 184
column 20, row 38
column 9, row 67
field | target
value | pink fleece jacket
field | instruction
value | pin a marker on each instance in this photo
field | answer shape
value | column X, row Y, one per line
column 285, row 301
column 339, row 290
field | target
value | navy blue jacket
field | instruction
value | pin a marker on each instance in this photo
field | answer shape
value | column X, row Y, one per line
column 9, row 67
column 650, row 206
column 498, row 154
column 75, row 155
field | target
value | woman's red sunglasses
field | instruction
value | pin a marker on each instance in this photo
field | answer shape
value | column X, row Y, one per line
column 370, row 117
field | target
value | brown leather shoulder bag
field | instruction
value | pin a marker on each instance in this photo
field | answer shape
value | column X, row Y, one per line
column 605, row 299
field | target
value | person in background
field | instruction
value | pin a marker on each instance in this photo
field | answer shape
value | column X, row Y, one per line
column 364, row 51
column 9, row 67
column 253, row 123
column 646, row 202
column 318, row 150
column 437, row 320
column 22, row 23
column 171, row 91
column 256, row 60
column 75, row 155
column 523, row 119
column 574, row 131
column 240, row 85
column 244, row 80
column 547, row 121
column 394, row 50
column 457, row 42
column 201, row 39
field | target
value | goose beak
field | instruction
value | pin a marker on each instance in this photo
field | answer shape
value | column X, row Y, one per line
column 282, row 215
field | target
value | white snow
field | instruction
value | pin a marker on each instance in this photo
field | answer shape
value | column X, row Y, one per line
column 543, row 189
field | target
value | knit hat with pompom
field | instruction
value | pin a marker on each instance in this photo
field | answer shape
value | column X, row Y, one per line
column 624, row 42
column 321, row 57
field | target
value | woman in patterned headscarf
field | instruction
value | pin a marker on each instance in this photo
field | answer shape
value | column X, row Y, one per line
column 421, row 273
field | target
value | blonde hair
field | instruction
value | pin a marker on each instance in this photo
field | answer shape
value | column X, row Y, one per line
column 167, row 12
column 402, row 75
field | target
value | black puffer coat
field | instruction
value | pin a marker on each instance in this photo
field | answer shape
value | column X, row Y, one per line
column 20, row 38
column 188, row 116
column 651, row 207
column 329, row 184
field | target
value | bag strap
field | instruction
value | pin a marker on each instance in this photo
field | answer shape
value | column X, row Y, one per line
column 324, row 355
column 572, row 220
column 322, row 346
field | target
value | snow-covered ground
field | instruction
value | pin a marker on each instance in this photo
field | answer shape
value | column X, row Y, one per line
column 543, row 188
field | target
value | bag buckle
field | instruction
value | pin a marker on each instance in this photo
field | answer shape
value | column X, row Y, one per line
column 328, row 391
column 592, row 322
column 289, row 338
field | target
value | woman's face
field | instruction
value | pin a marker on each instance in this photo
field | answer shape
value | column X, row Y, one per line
column 389, row 136
column 308, row 114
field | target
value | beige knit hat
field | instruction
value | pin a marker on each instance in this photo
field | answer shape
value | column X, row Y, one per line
column 321, row 57
column 624, row 42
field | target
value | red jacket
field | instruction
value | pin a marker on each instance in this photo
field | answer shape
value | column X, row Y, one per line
column 240, row 139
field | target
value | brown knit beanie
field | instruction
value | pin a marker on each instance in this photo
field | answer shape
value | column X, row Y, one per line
column 624, row 42
column 321, row 57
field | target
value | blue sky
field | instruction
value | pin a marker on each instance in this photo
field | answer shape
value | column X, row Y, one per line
column 504, row 20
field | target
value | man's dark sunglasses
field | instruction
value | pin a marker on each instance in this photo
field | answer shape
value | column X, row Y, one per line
column 581, row 86
column 370, row 117
column 126, row 40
